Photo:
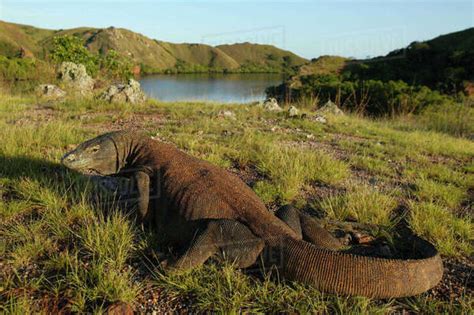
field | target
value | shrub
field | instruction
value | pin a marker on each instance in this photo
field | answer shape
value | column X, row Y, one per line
column 373, row 97
column 116, row 66
column 71, row 48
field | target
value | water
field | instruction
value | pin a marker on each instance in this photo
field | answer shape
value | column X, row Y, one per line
column 222, row 88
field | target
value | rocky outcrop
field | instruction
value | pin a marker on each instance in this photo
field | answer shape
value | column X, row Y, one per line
column 75, row 77
column 124, row 93
column 330, row 108
column 271, row 105
column 50, row 91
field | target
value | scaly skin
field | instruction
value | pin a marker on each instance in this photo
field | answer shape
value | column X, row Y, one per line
column 203, row 208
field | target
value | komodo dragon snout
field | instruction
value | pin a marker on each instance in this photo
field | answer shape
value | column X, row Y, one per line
column 96, row 156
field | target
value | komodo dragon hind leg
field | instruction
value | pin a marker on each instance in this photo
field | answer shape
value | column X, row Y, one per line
column 310, row 229
column 291, row 217
column 230, row 239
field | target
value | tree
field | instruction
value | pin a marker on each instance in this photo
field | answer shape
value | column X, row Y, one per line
column 71, row 48
column 116, row 65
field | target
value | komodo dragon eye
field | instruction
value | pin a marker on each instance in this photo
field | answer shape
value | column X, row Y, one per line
column 94, row 149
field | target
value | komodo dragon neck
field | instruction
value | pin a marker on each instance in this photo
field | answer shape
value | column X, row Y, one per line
column 134, row 151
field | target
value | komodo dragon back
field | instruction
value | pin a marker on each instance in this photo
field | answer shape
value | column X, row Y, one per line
column 198, row 190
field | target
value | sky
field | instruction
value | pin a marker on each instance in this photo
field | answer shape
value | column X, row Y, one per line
column 349, row 28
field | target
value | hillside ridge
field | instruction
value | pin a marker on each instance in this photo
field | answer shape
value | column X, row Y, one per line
column 152, row 55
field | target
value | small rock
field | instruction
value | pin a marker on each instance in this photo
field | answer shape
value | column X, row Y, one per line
column 293, row 112
column 320, row 119
column 50, row 91
column 271, row 105
column 309, row 136
column 330, row 108
column 226, row 114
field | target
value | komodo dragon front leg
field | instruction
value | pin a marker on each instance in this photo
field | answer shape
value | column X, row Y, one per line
column 142, row 181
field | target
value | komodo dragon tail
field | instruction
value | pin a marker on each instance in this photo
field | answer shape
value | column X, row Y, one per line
column 342, row 273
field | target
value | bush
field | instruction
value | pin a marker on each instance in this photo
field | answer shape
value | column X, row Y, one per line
column 71, row 48
column 371, row 97
column 24, row 74
column 116, row 66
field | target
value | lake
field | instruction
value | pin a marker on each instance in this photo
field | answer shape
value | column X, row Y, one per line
column 223, row 88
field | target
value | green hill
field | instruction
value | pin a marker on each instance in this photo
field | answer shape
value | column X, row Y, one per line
column 323, row 65
column 13, row 37
column 152, row 55
column 445, row 63
column 251, row 56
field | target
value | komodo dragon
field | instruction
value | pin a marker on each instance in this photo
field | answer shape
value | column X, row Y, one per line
column 208, row 210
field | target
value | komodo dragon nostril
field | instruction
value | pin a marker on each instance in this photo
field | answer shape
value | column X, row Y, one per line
column 69, row 157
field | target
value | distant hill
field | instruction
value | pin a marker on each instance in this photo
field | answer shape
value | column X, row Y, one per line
column 322, row 65
column 152, row 55
column 254, row 56
column 13, row 37
column 445, row 63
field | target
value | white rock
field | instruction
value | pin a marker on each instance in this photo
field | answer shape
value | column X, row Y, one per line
column 320, row 119
column 50, row 91
column 271, row 105
column 330, row 108
column 124, row 93
column 293, row 111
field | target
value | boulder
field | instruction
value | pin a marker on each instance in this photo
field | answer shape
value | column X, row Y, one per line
column 330, row 108
column 124, row 93
column 75, row 77
column 293, row 112
column 50, row 91
column 271, row 105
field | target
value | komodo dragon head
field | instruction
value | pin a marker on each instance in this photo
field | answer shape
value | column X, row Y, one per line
column 96, row 156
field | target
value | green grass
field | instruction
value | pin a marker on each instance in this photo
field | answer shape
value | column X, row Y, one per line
column 57, row 245
column 452, row 235
column 362, row 203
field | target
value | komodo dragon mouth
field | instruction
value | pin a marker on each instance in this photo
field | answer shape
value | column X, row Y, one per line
column 91, row 171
